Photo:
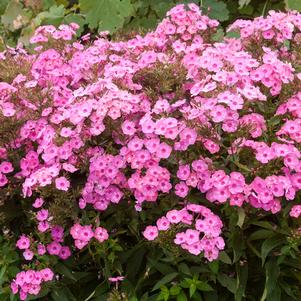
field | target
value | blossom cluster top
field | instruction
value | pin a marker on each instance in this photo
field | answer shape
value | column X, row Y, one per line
column 171, row 113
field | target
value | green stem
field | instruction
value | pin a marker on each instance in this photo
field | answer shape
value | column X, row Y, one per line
column 265, row 7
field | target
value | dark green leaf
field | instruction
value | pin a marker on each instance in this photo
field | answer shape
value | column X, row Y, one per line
column 261, row 234
column 228, row 282
column 224, row 257
column 270, row 244
column 161, row 267
column 242, row 278
column 165, row 280
column 203, row 286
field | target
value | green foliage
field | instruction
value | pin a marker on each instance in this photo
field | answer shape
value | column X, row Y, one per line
column 21, row 17
column 106, row 14
column 262, row 262
column 293, row 4
column 9, row 260
column 216, row 9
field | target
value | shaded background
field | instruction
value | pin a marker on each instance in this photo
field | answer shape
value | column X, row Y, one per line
column 19, row 18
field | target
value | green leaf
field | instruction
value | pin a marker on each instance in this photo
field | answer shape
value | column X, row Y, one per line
column 216, row 9
column 214, row 266
column 241, row 217
column 183, row 268
column 263, row 224
column 148, row 22
column 247, row 10
column 161, row 7
column 243, row 3
column 228, row 282
column 134, row 263
column 2, row 271
column 242, row 278
column 15, row 16
column 47, row 4
column 192, row 289
column 106, row 14
column 224, row 257
column 164, row 294
column 165, row 280
column 26, row 33
column 261, row 234
column 62, row 294
column 238, row 245
column 203, row 286
column 175, row 290
column 54, row 16
column 161, row 267
column 218, row 36
column 3, row 5
column 293, row 4
column 272, row 291
column 64, row 271
column 270, row 244
column 182, row 297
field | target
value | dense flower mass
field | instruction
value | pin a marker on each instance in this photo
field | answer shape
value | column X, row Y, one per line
column 169, row 114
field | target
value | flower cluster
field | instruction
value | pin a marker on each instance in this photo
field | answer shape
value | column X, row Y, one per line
column 83, row 234
column 30, row 282
column 166, row 115
column 206, row 223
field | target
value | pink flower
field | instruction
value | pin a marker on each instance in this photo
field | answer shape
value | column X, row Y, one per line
column 38, row 203
column 151, row 232
column 41, row 249
column 80, row 244
column 295, row 211
column 116, row 279
column 195, row 248
column 57, row 233
column 128, row 128
column 181, row 189
column 180, row 238
column 62, row 183
column 163, row 223
column 164, row 150
column 23, row 242
column 192, row 236
column 3, row 180
column 42, row 215
column 64, row 253
column 28, row 254
column 101, row 234
column 174, row 216
column 6, row 167
column 43, row 226
column 183, row 172
column 66, row 132
column 47, row 274
column 54, row 248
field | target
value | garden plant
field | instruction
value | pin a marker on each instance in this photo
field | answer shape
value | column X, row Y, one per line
column 153, row 166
